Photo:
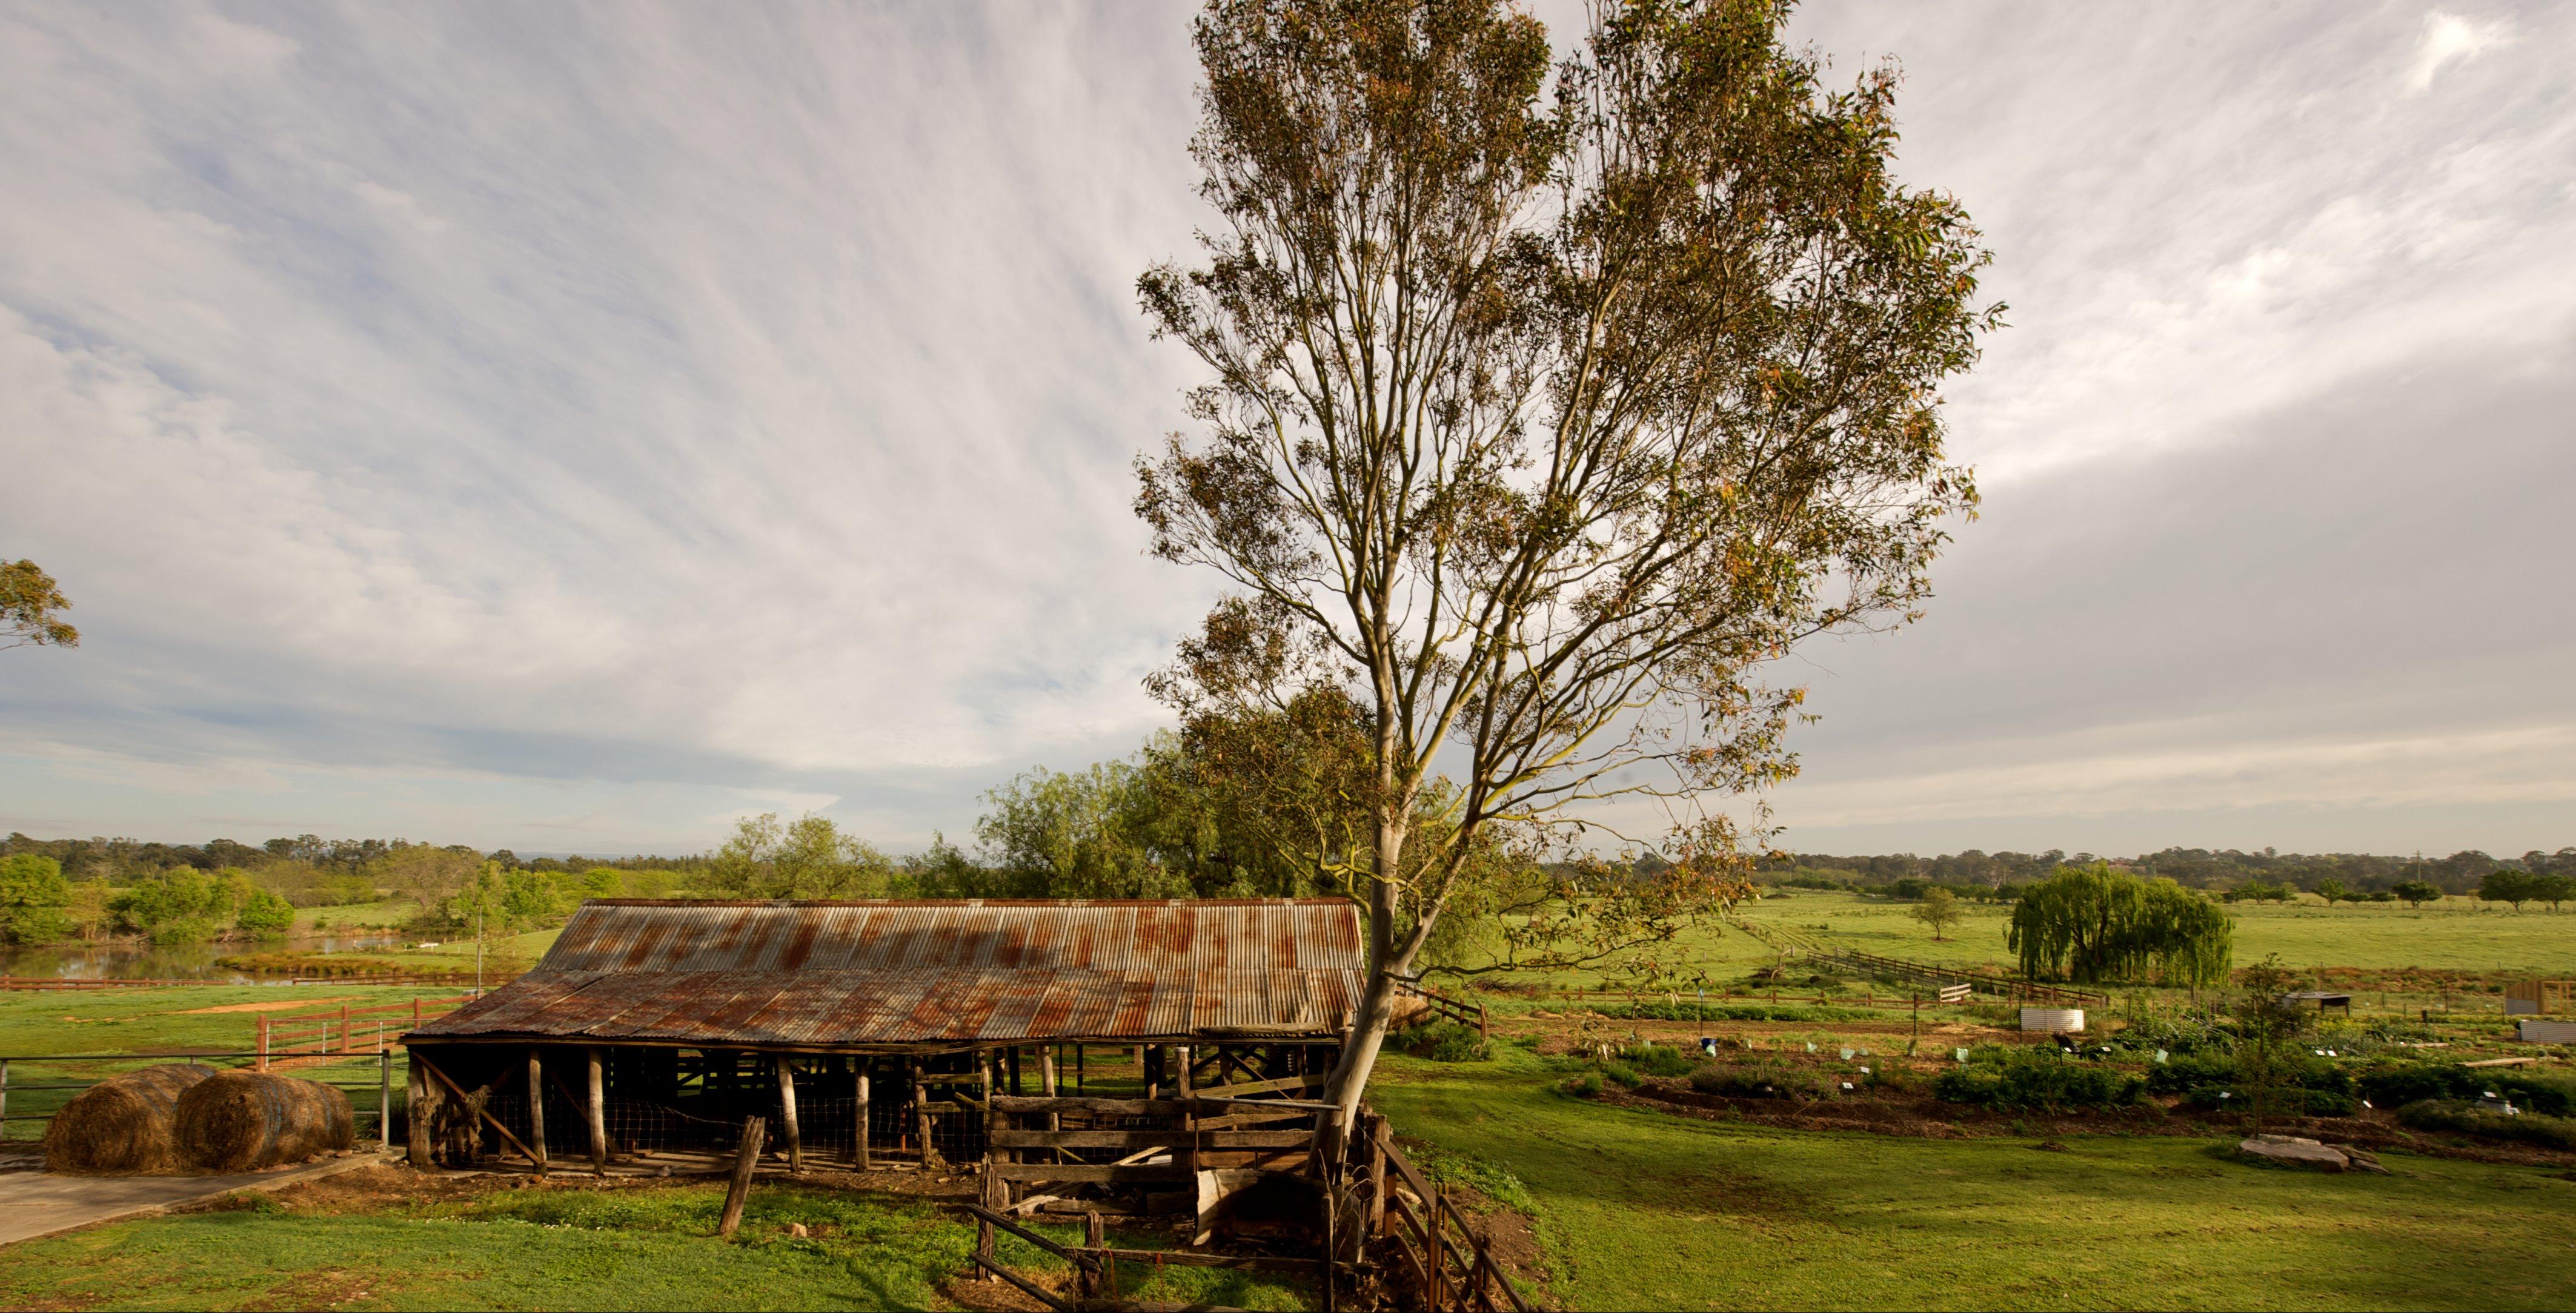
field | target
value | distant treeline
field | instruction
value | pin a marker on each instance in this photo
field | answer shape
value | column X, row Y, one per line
column 2219, row 871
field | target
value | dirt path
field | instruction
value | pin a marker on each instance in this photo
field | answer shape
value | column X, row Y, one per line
column 36, row 1203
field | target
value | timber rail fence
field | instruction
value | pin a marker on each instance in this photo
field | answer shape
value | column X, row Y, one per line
column 346, row 1030
column 1381, row 1218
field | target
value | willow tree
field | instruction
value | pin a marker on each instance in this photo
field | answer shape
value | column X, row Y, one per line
column 2091, row 924
column 1542, row 413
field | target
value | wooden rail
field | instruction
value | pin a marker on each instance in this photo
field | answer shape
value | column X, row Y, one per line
column 1450, row 1264
column 1457, row 1010
column 310, row 1034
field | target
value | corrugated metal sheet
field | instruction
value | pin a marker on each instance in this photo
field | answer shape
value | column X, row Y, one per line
column 886, row 972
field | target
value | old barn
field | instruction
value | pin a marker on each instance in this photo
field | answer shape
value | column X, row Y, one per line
column 875, row 1029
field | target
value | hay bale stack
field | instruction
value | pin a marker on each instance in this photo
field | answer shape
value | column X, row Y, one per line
column 122, row 1124
column 240, row 1121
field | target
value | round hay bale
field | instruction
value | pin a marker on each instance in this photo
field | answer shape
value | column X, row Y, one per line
column 122, row 1124
column 240, row 1121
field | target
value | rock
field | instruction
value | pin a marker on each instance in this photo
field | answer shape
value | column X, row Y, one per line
column 2362, row 1160
column 2293, row 1151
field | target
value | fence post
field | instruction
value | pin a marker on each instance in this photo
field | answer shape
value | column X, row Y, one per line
column 4, row 1092
column 384, row 1099
column 348, row 1042
column 263, row 1041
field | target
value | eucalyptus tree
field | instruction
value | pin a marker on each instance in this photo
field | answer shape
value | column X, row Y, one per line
column 1544, row 408
column 31, row 607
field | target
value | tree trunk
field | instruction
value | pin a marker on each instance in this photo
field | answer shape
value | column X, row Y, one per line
column 1377, row 1006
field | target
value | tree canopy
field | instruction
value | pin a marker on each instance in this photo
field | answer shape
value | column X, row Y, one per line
column 31, row 607
column 1538, row 423
column 2093, row 924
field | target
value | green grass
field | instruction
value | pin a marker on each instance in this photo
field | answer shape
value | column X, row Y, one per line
column 2457, row 935
column 1643, row 1210
column 632, row 1248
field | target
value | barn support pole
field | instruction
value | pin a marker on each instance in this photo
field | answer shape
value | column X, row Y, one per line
column 416, row 1109
column 995, row 1196
column 597, row 1087
column 1014, row 1052
column 787, row 1115
column 537, row 1108
column 1046, row 1083
column 921, row 1112
column 1189, row 1121
column 859, row 1147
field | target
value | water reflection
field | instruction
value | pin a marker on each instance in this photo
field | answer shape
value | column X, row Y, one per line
column 139, row 961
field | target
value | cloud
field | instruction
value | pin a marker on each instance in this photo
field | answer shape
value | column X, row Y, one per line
column 2448, row 38
column 574, row 429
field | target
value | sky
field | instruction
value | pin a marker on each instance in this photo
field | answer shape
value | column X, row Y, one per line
column 574, row 428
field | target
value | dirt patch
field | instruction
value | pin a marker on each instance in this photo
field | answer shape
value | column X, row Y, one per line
column 287, row 1005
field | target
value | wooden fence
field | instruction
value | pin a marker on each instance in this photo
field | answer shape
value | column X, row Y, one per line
column 1441, row 1005
column 345, row 1029
column 1447, row 1262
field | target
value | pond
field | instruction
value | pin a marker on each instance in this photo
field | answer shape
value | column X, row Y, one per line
column 134, row 960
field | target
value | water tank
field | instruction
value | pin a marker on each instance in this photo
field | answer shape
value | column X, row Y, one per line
column 2052, row 1019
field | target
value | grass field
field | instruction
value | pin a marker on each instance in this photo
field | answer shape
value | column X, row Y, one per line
column 2458, row 935
column 1642, row 1210
column 556, row 1247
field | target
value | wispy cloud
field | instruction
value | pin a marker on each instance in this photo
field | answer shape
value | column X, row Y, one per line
column 571, row 427
column 2449, row 38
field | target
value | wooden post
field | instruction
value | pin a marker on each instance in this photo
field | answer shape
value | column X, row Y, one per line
column 384, row 1098
column 787, row 1113
column 745, row 1162
column 537, row 1110
column 1080, row 1051
column 1015, row 1070
column 598, row 1090
column 859, row 1147
column 1095, row 1237
column 348, row 1043
column 920, row 1114
column 263, row 1041
column 4, row 1091
column 416, row 1112
column 1189, row 1121
column 1377, row 1174
column 995, row 1193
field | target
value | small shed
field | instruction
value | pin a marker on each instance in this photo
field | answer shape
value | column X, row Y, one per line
column 875, row 1028
column 2327, row 1000
column 2529, row 997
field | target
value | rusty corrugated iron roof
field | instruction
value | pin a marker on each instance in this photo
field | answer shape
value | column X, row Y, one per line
column 909, row 972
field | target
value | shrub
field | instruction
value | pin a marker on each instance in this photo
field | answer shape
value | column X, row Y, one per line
column 2039, row 1082
column 1658, row 1059
column 2416, row 1082
column 2292, row 1101
column 1585, row 1085
column 1444, row 1041
column 2468, row 1119
column 1622, row 1073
